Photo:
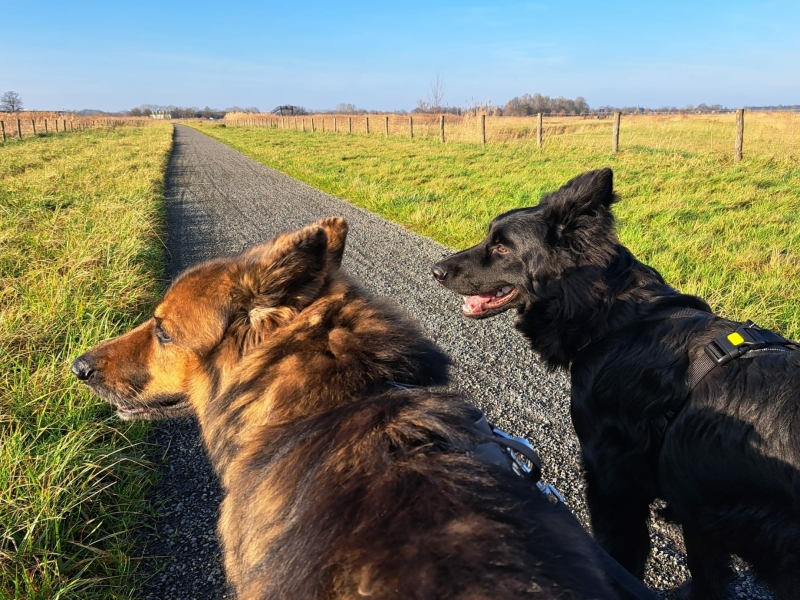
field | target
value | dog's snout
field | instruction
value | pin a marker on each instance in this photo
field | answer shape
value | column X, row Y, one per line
column 83, row 368
column 439, row 272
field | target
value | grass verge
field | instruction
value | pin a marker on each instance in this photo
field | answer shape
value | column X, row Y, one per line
column 80, row 260
column 729, row 232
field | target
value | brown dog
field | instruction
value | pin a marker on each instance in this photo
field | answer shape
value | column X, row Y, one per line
column 339, row 483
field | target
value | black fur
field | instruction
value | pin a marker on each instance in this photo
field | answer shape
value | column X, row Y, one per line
column 728, row 463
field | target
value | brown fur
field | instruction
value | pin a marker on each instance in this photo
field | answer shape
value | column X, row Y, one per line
column 338, row 485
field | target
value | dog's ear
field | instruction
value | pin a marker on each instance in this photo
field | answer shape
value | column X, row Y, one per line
column 582, row 202
column 336, row 228
column 283, row 276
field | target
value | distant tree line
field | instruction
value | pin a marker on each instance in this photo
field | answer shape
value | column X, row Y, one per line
column 423, row 108
column 689, row 108
column 344, row 108
column 178, row 112
column 790, row 107
column 526, row 105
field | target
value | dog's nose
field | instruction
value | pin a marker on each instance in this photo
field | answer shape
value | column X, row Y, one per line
column 82, row 368
column 439, row 272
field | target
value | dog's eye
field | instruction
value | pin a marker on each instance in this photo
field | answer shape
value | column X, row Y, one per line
column 162, row 336
column 499, row 248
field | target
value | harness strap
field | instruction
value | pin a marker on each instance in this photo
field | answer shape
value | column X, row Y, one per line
column 512, row 454
column 665, row 313
column 746, row 341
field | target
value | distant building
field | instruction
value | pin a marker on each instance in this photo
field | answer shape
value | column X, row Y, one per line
column 160, row 114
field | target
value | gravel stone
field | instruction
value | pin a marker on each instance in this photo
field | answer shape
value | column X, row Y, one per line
column 219, row 202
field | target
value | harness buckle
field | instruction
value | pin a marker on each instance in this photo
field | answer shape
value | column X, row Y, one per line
column 729, row 346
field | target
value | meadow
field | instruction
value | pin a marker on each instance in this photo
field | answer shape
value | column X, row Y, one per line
column 726, row 231
column 39, row 123
column 81, row 259
column 775, row 134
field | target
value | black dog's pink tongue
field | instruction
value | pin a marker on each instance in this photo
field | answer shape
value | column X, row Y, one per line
column 477, row 304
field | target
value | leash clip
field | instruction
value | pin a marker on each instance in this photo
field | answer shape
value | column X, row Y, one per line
column 525, row 460
column 550, row 492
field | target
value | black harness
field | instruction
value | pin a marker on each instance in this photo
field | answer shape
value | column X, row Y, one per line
column 746, row 341
column 500, row 449
column 512, row 453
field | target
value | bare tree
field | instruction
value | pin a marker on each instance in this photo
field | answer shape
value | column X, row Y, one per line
column 436, row 94
column 422, row 107
column 10, row 102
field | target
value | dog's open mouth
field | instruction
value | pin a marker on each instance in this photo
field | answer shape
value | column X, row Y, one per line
column 484, row 305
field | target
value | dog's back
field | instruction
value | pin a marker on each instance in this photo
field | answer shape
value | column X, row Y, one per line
column 382, row 499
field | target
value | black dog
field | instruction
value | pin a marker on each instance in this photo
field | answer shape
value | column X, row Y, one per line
column 656, row 415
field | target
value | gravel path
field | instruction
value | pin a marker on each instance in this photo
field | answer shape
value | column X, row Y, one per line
column 220, row 201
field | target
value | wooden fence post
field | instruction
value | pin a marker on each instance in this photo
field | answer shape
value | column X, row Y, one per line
column 19, row 128
column 33, row 126
column 539, row 119
column 441, row 128
column 615, row 132
column 367, row 121
column 304, row 124
column 483, row 129
column 739, row 135
column 3, row 127
column 312, row 125
column 411, row 127
column 349, row 124
column 334, row 124
column 64, row 126
column 45, row 126
column 387, row 126
column 323, row 124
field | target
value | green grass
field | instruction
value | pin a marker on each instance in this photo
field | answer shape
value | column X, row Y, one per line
column 80, row 260
column 729, row 232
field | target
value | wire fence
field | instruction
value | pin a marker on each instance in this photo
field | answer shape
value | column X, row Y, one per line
column 767, row 134
column 28, row 124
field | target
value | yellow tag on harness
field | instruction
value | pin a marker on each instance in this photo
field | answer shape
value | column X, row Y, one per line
column 735, row 339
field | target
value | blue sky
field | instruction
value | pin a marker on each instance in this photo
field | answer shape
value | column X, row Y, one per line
column 384, row 56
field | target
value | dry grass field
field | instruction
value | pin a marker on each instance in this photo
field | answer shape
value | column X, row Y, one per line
column 767, row 134
column 47, row 122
